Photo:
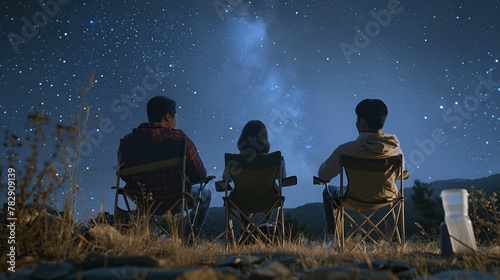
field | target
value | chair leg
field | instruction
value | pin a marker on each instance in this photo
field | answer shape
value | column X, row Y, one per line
column 342, row 227
column 251, row 225
column 249, row 228
column 402, row 219
column 398, row 224
column 365, row 234
column 231, row 229
column 229, row 226
column 392, row 234
column 192, row 222
column 278, row 233
column 283, row 234
column 194, row 229
column 244, row 220
column 337, row 233
column 395, row 233
column 252, row 230
column 122, row 217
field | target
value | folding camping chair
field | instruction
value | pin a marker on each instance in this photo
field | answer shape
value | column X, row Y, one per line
column 144, row 164
column 367, row 199
column 257, row 188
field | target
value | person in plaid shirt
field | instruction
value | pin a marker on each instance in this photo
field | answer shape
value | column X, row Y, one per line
column 162, row 127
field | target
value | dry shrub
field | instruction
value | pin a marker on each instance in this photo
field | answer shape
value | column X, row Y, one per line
column 39, row 226
column 485, row 216
column 45, row 163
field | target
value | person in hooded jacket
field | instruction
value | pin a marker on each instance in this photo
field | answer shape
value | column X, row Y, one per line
column 370, row 144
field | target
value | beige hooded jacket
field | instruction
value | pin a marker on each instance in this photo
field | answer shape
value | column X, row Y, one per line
column 369, row 146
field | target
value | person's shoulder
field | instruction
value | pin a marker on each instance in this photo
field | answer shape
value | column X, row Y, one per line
column 348, row 147
column 179, row 135
column 127, row 136
column 391, row 137
column 349, row 144
column 178, row 132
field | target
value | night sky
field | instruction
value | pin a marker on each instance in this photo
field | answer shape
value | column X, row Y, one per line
column 299, row 66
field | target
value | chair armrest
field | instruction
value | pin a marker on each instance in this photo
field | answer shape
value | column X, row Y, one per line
column 406, row 175
column 289, row 181
column 222, row 186
column 319, row 181
column 204, row 180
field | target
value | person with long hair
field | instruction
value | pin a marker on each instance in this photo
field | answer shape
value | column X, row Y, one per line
column 254, row 140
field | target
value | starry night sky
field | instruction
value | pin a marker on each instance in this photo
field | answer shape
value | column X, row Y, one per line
column 299, row 66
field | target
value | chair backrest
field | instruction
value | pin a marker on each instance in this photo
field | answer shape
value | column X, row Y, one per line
column 372, row 180
column 254, row 177
column 153, row 166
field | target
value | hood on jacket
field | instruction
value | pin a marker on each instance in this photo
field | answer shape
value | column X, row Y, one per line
column 379, row 143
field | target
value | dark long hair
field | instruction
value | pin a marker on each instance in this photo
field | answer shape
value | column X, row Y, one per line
column 254, row 138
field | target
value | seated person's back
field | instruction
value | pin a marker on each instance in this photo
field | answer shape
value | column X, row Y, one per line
column 371, row 143
column 162, row 127
column 252, row 142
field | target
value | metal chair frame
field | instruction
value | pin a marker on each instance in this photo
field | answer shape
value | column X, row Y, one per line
column 394, row 206
column 164, row 155
column 263, row 170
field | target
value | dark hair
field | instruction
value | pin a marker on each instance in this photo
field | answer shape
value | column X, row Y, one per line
column 373, row 111
column 254, row 138
column 159, row 106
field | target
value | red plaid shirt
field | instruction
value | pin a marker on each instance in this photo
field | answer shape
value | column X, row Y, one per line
column 166, row 181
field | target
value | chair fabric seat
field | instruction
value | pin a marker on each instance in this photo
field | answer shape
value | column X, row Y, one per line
column 145, row 169
column 257, row 181
column 371, row 186
column 264, row 203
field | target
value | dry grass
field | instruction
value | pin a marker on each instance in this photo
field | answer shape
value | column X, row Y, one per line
column 485, row 216
column 171, row 255
column 44, row 235
column 424, row 257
